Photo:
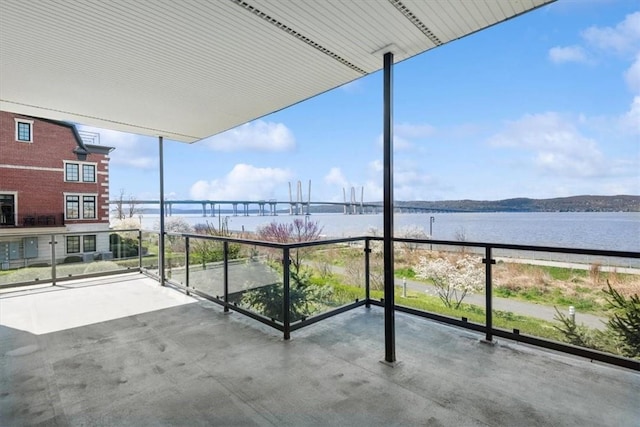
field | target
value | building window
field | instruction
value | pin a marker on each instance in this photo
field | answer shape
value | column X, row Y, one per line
column 73, row 244
column 89, row 243
column 72, row 172
column 88, row 207
column 24, row 130
column 81, row 206
column 7, row 209
column 73, row 207
column 89, row 173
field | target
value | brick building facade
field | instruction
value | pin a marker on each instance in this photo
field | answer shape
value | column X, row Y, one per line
column 50, row 181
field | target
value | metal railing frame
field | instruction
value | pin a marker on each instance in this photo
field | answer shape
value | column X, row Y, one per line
column 286, row 326
column 53, row 258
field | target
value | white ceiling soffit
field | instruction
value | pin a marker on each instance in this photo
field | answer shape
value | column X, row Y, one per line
column 193, row 68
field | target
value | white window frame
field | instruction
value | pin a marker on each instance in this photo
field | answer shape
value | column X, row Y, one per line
column 81, row 166
column 95, row 243
column 27, row 122
column 15, row 204
column 81, row 215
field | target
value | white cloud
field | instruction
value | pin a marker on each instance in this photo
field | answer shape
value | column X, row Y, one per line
column 632, row 75
column 354, row 86
column 631, row 120
column 559, row 147
column 336, row 177
column 411, row 183
column 243, row 182
column 399, row 143
column 623, row 38
column 258, row 135
column 376, row 166
column 130, row 150
column 559, row 54
column 407, row 130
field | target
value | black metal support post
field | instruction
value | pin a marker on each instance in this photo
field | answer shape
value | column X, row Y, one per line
column 53, row 259
column 140, row 249
column 186, row 263
column 286, row 311
column 488, row 261
column 162, row 213
column 225, row 274
column 367, row 268
column 389, row 299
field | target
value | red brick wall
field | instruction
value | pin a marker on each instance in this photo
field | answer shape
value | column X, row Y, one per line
column 41, row 191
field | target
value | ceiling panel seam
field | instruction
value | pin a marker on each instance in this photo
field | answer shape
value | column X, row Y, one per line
column 245, row 5
column 416, row 21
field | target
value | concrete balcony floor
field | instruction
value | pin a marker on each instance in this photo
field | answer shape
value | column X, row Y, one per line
column 123, row 351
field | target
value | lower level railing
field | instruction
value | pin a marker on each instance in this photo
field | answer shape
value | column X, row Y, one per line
column 577, row 301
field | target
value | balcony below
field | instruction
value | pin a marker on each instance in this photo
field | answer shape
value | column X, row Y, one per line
column 121, row 350
column 34, row 219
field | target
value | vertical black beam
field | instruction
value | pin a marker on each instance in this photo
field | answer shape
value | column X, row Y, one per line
column 286, row 310
column 367, row 270
column 161, row 237
column 225, row 274
column 187, row 249
column 140, row 247
column 53, row 259
column 488, row 261
column 389, row 299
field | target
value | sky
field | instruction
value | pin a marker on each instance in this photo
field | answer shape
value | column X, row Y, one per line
column 545, row 105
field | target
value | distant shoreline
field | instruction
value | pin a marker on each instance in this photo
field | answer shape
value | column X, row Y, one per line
column 620, row 203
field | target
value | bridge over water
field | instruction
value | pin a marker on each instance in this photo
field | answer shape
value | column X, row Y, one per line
column 273, row 207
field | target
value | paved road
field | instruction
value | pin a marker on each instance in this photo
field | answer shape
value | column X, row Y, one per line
column 538, row 311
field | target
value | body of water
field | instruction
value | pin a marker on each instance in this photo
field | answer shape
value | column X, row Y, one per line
column 587, row 230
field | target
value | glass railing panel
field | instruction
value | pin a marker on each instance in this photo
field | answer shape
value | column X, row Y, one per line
column 95, row 252
column 25, row 259
column 448, row 280
column 570, row 298
column 149, row 248
column 325, row 277
column 175, row 257
column 206, row 266
column 256, row 279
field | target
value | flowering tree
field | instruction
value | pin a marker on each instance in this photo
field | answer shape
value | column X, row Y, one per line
column 305, row 298
column 453, row 279
column 297, row 231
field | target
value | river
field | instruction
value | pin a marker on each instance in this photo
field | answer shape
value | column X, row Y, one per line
column 586, row 230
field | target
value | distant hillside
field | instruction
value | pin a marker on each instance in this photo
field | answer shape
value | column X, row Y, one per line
column 562, row 204
column 620, row 203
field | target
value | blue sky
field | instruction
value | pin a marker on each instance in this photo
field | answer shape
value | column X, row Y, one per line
column 545, row 105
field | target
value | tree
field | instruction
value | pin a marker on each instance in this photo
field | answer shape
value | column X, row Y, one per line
column 133, row 206
column 119, row 206
column 304, row 297
column 625, row 320
column 297, row 231
column 206, row 250
column 453, row 279
column 623, row 327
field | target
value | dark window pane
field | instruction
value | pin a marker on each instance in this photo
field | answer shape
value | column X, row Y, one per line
column 89, row 207
column 72, row 172
column 73, row 207
column 73, row 244
column 24, row 131
column 89, row 243
column 88, row 173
